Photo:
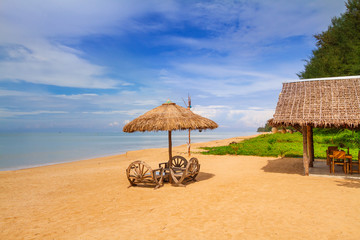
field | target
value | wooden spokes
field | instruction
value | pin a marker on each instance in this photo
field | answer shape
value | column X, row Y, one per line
column 139, row 172
column 178, row 161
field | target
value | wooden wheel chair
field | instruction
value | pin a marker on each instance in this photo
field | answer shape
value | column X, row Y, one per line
column 176, row 161
column 140, row 172
column 181, row 175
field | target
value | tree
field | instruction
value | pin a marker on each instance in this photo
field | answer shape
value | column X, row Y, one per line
column 267, row 128
column 338, row 48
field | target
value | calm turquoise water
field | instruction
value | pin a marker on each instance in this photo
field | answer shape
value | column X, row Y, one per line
column 23, row 150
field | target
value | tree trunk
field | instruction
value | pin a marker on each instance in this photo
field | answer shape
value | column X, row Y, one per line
column 305, row 151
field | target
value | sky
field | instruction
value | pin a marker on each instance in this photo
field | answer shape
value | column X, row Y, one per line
column 94, row 65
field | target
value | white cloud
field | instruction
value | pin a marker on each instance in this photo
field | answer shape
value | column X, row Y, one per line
column 134, row 112
column 211, row 111
column 252, row 117
column 32, row 33
column 75, row 18
column 14, row 93
column 121, row 103
column 218, row 71
column 248, row 28
column 77, row 96
column 44, row 63
column 114, row 124
column 106, row 112
column 221, row 80
column 4, row 113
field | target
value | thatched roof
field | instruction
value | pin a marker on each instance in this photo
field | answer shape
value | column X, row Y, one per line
column 327, row 102
column 169, row 117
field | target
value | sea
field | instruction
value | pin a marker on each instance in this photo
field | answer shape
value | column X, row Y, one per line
column 32, row 149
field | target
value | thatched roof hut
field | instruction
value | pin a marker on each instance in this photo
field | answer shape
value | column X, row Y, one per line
column 323, row 102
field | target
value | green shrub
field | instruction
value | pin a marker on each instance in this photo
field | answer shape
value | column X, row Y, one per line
column 291, row 145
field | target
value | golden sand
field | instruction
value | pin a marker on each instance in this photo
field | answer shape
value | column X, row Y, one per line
column 235, row 197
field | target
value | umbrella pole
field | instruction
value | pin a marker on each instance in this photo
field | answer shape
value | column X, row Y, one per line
column 170, row 156
column 170, row 146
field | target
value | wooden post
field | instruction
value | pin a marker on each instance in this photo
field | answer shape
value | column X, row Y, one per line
column 189, row 154
column 170, row 146
column 310, row 144
column 305, row 151
column 188, row 108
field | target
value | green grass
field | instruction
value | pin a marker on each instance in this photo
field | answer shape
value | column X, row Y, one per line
column 290, row 145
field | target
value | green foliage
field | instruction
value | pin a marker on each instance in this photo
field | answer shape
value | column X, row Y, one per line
column 267, row 128
column 263, row 145
column 338, row 48
column 338, row 137
column 291, row 145
column 326, row 131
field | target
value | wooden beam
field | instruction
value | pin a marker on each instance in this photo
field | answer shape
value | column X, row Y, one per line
column 305, row 151
column 310, row 145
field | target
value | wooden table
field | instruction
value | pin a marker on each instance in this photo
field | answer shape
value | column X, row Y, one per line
column 348, row 158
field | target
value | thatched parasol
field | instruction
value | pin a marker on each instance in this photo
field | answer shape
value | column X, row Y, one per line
column 169, row 117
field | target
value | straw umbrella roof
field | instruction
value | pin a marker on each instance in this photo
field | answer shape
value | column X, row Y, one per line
column 169, row 117
column 327, row 102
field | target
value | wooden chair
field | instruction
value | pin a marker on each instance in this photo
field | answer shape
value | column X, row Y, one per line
column 339, row 158
column 353, row 164
column 329, row 152
column 189, row 173
column 176, row 161
column 140, row 172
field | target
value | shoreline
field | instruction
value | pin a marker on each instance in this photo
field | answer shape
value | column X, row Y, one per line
column 23, row 167
column 234, row 197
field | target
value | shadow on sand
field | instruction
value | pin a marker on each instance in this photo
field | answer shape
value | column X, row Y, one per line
column 202, row 176
column 350, row 183
column 295, row 166
column 285, row 165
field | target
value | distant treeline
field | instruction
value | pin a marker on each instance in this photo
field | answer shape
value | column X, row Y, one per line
column 267, row 128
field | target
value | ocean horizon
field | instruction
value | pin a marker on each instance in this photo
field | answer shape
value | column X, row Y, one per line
column 22, row 150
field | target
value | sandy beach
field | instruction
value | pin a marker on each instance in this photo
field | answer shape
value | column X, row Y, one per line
column 235, row 197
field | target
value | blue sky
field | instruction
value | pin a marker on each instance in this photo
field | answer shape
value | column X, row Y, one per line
column 96, row 64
